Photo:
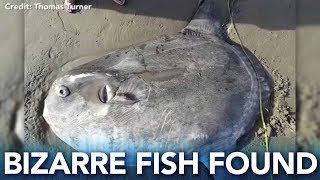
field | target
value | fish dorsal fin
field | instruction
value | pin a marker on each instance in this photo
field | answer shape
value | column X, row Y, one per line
column 208, row 19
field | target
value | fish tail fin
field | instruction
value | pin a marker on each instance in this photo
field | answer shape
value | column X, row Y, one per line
column 208, row 19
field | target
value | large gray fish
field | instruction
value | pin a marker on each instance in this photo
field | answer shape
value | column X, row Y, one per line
column 191, row 91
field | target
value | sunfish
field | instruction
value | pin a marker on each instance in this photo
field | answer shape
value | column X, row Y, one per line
column 190, row 91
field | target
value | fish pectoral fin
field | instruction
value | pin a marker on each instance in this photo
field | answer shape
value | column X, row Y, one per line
column 131, row 91
column 125, row 98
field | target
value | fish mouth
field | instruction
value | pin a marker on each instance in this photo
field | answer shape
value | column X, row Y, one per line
column 103, row 95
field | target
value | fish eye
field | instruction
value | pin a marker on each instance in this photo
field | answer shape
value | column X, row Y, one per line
column 63, row 91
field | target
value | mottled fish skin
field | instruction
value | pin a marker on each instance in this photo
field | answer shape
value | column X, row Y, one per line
column 175, row 93
column 183, row 92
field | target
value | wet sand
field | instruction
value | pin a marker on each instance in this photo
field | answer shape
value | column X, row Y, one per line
column 54, row 38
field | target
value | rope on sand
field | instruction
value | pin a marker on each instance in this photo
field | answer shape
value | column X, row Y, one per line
column 266, row 139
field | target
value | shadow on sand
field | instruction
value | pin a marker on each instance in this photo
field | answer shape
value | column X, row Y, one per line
column 271, row 14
